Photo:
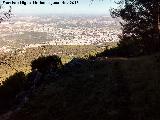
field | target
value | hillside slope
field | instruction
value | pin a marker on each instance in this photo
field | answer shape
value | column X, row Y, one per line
column 99, row 89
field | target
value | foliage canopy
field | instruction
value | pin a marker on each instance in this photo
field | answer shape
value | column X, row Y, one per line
column 140, row 26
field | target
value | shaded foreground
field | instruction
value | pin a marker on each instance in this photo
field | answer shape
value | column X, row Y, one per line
column 98, row 89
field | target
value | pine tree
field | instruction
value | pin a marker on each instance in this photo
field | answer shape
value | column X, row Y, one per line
column 5, row 15
column 141, row 24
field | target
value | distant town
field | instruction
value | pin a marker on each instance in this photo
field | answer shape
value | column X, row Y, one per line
column 23, row 32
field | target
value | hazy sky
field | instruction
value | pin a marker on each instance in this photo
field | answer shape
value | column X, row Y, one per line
column 82, row 7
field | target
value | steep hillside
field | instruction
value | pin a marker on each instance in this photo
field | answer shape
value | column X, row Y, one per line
column 20, row 60
column 98, row 89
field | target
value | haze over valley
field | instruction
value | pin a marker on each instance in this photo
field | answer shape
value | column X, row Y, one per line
column 33, row 31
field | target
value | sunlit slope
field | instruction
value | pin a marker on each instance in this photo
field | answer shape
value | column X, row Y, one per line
column 20, row 59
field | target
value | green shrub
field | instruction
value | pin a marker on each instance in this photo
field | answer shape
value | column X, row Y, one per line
column 45, row 64
column 10, row 88
column 125, row 48
column 15, row 83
